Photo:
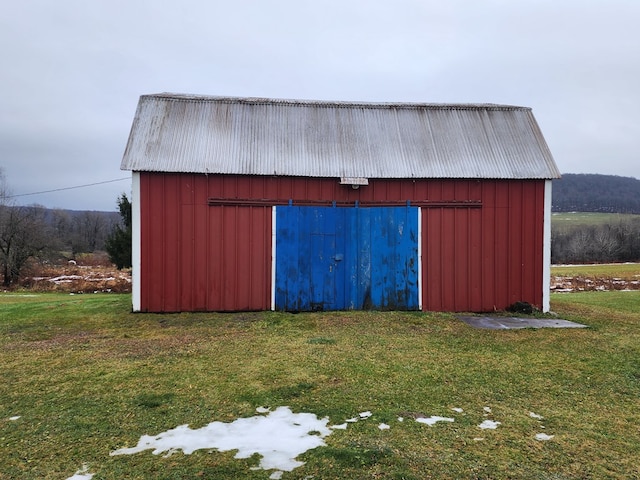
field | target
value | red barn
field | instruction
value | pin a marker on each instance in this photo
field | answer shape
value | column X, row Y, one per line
column 257, row 204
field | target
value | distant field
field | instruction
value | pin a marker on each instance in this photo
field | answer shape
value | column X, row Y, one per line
column 562, row 219
column 607, row 270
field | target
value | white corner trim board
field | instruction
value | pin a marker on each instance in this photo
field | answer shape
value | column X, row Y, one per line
column 546, row 254
column 135, row 241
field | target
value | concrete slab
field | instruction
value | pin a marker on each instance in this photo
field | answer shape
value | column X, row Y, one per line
column 508, row 323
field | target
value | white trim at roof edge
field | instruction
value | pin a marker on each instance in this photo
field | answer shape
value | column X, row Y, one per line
column 546, row 254
column 135, row 241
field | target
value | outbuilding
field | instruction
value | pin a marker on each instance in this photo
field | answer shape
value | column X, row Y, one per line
column 257, row 204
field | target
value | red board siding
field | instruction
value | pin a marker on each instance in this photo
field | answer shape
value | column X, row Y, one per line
column 197, row 257
column 201, row 258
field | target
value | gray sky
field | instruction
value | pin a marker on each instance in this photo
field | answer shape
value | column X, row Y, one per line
column 72, row 72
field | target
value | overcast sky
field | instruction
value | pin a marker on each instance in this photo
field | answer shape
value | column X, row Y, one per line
column 72, row 71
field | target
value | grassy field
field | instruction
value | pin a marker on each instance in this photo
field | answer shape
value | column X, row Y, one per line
column 607, row 270
column 86, row 377
column 573, row 219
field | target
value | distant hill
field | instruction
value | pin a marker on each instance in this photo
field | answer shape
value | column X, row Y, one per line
column 581, row 192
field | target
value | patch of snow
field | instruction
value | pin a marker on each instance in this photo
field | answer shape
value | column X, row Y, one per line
column 384, row 426
column 351, row 420
column 543, row 437
column 65, row 279
column 277, row 475
column 13, row 419
column 433, row 419
column 457, row 409
column 263, row 410
column 365, row 414
column 478, row 439
column 487, row 409
column 82, row 474
column 562, row 265
column 101, row 279
column 278, row 438
column 401, row 419
column 342, row 426
column 535, row 415
column 489, row 424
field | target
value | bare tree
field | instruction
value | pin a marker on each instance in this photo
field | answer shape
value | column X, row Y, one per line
column 22, row 235
column 62, row 228
column 605, row 244
column 619, row 242
column 91, row 231
column 579, row 246
column 4, row 189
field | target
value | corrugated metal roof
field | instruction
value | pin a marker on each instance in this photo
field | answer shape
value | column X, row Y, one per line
column 256, row 136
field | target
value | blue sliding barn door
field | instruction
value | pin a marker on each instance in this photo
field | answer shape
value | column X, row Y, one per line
column 337, row 258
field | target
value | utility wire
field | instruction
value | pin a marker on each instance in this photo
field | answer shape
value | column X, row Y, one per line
column 68, row 188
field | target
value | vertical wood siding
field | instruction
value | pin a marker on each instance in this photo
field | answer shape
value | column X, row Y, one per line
column 346, row 258
column 196, row 257
column 201, row 258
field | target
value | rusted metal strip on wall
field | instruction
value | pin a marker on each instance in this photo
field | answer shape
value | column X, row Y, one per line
column 251, row 202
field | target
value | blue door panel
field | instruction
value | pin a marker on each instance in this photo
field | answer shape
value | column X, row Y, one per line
column 333, row 258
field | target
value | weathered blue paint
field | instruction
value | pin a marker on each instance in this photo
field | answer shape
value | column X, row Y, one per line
column 337, row 258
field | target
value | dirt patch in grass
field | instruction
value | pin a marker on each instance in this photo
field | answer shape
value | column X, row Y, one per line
column 104, row 347
column 594, row 278
column 592, row 283
column 82, row 276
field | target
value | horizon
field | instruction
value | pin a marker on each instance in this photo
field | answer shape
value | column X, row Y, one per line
column 68, row 197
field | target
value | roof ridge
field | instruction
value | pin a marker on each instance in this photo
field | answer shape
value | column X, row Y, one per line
column 330, row 103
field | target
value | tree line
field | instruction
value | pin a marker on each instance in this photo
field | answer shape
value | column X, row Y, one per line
column 609, row 242
column 29, row 233
column 617, row 241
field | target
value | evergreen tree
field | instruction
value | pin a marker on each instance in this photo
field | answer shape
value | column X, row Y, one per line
column 118, row 243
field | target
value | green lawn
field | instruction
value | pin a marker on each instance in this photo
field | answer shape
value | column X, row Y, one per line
column 87, row 377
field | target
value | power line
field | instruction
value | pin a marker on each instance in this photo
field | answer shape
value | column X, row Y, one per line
column 68, row 188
